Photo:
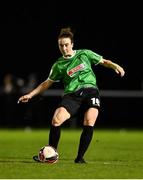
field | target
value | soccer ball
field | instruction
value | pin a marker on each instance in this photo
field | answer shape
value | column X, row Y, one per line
column 48, row 154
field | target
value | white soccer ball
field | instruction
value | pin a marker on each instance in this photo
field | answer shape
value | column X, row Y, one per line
column 48, row 154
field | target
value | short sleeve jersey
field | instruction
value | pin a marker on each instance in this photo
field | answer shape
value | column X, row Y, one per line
column 76, row 72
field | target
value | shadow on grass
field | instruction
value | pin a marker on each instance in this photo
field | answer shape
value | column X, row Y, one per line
column 16, row 160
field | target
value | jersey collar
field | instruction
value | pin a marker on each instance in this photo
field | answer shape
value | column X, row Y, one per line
column 70, row 56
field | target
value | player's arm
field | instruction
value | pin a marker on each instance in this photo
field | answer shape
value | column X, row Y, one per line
column 38, row 90
column 109, row 64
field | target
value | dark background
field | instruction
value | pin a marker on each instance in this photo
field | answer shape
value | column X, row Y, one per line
column 28, row 43
column 114, row 30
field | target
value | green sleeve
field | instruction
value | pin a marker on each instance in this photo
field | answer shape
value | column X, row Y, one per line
column 93, row 57
column 55, row 74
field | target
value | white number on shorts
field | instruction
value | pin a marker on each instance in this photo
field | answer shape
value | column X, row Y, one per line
column 95, row 101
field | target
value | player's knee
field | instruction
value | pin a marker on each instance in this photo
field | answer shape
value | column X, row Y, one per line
column 60, row 116
column 90, row 122
column 57, row 120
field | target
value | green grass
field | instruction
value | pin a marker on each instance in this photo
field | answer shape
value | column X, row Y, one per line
column 113, row 154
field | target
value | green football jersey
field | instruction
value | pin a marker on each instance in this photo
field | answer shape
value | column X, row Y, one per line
column 76, row 72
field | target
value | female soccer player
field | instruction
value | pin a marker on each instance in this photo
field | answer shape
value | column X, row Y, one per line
column 74, row 69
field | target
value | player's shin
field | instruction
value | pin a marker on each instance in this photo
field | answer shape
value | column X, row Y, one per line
column 85, row 140
column 54, row 136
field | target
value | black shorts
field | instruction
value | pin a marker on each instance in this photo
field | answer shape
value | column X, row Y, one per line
column 84, row 99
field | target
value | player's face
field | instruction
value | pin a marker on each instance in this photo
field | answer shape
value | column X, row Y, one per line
column 66, row 47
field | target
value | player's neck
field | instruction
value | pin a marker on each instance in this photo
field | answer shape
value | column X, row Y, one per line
column 70, row 55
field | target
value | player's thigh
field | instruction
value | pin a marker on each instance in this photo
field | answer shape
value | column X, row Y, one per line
column 90, row 116
column 60, row 115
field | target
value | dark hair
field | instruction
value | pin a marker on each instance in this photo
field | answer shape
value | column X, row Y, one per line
column 66, row 33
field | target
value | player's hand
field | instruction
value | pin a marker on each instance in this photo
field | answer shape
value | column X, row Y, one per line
column 24, row 98
column 120, row 70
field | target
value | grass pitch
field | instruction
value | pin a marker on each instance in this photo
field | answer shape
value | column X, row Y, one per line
column 113, row 154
